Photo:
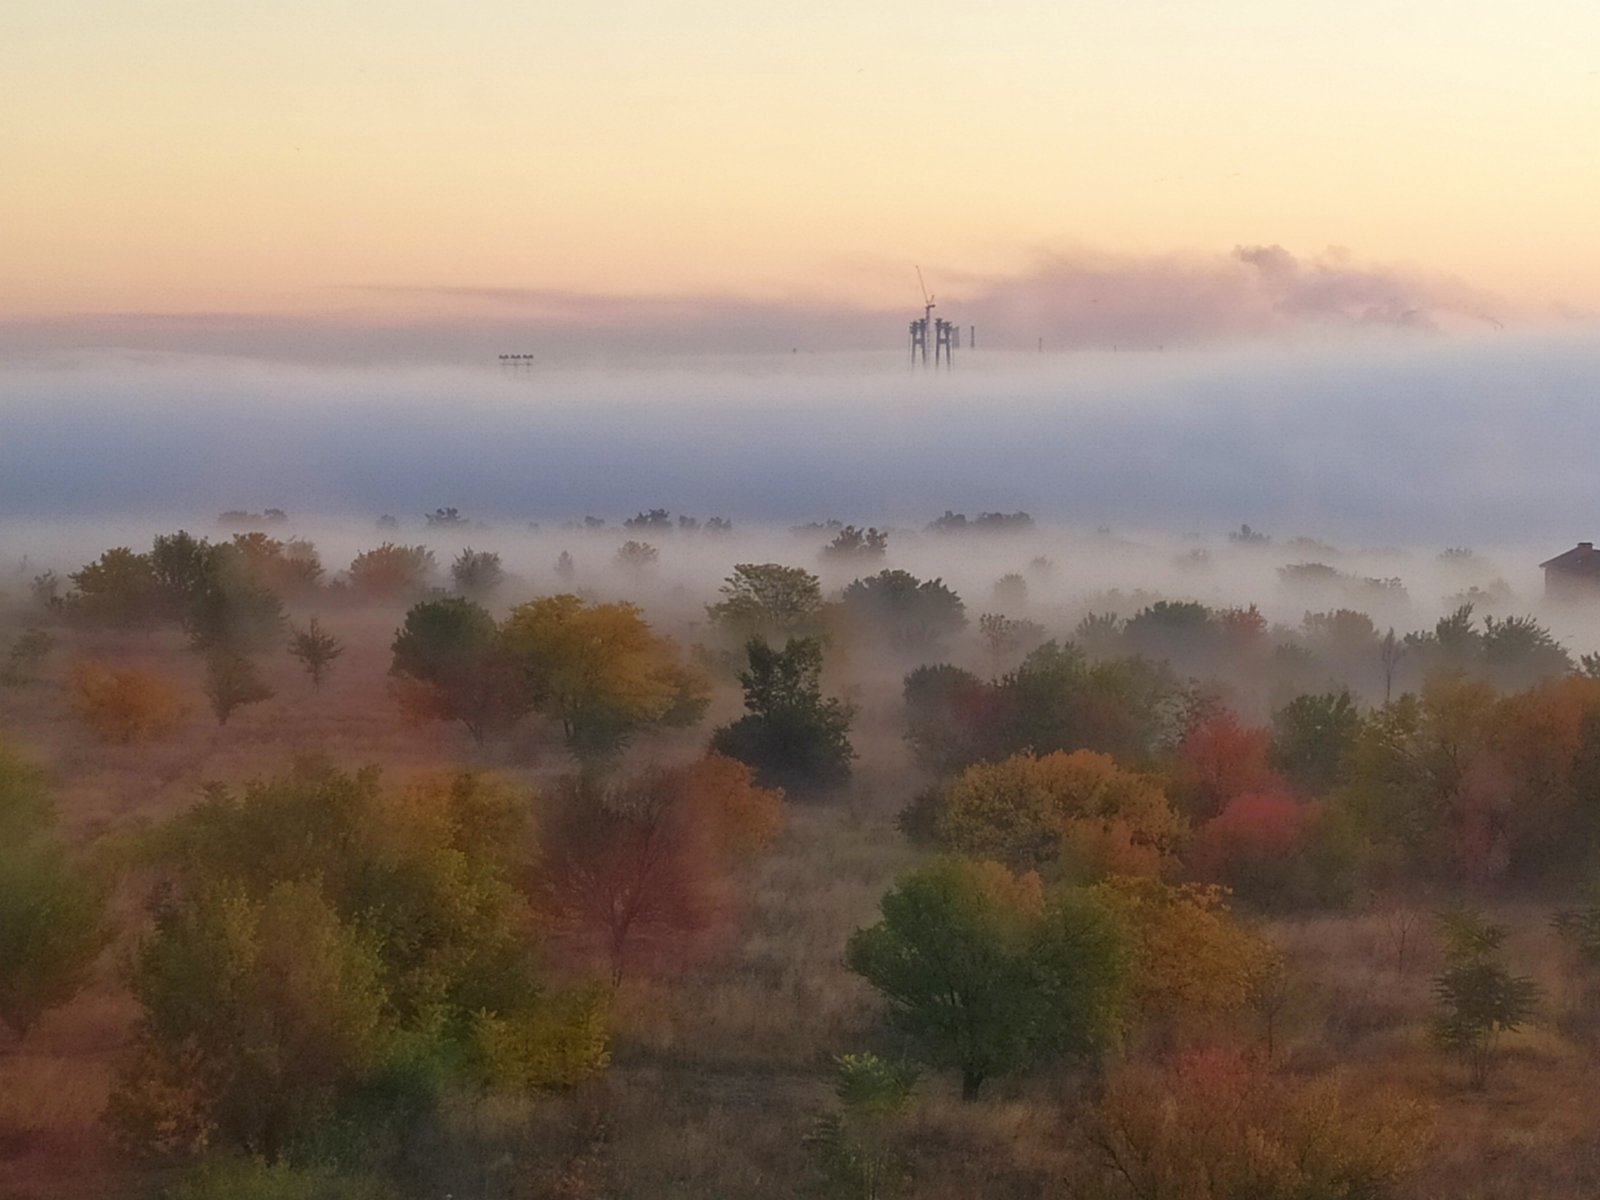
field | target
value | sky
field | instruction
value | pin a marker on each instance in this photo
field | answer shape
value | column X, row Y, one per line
column 214, row 174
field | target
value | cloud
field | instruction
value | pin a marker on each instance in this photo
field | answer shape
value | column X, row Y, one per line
column 1091, row 299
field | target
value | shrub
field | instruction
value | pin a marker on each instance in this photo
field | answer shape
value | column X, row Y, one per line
column 124, row 704
column 1476, row 998
column 1214, row 1125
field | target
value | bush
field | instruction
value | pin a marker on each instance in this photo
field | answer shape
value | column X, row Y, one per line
column 124, row 704
column 1214, row 1125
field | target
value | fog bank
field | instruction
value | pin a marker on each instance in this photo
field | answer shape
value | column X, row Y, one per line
column 1387, row 438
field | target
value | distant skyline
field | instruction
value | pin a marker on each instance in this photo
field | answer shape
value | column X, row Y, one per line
column 363, row 164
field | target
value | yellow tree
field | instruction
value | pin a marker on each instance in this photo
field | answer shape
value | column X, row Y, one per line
column 1079, row 811
column 601, row 671
column 1189, row 955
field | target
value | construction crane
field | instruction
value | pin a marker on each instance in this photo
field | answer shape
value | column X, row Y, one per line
column 927, row 300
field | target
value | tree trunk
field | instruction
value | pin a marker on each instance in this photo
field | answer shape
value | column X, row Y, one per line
column 971, row 1081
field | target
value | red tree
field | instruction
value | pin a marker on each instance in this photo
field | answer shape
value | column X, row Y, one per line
column 642, row 873
column 1219, row 760
column 1253, row 844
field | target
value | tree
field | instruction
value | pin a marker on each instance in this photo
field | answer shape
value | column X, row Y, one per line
column 791, row 735
column 953, row 718
column 316, row 649
column 913, row 615
column 1220, row 759
column 1253, row 846
column 455, row 657
column 119, row 589
column 852, row 1146
column 258, row 1015
column 477, row 573
column 637, row 557
column 1476, row 998
column 329, row 952
column 291, row 568
column 1311, row 739
column 1006, row 638
column 1518, row 652
column 1058, row 700
column 1179, row 631
column 232, row 682
column 640, row 871
column 768, row 601
column 1390, row 653
column 26, row 656
column 390, row 572
column 601, row 671
column 52, row 924
column 984, row 975
column 183, row 568
column 853, row 545
column 1187, row 955
column 1032, row 813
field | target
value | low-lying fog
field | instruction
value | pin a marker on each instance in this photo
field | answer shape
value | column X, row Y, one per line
column 1385, row 450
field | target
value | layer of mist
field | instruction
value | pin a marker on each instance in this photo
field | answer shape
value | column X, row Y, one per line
column 1385, row 440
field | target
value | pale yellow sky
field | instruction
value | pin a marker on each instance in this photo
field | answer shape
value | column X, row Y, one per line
column 190, row 155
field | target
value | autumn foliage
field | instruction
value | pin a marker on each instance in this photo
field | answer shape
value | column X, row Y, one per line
column 1214, row 1125
column 639, row 874
column 124, row 704
column 1221, row 759
column 1078, row 812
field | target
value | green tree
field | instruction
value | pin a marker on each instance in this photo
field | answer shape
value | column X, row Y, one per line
column 913, row 615
column 52, row 925
column 1476, row 998
column 1311, row 739
column 316, row 649
column 768, row 600
column 477, row 572
column 982, row 974
column 1058, row 700
column 794, row 737
column 25, row 657
column 232, row 682
column 455, row 651
column 1518, row 652
column 261, row 1012
column 119, row 589
column 854, row 1146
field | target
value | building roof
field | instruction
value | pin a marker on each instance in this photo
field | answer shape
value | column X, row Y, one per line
column 1582, row 559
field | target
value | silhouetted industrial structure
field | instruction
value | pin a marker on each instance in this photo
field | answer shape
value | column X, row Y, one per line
column 946, row 335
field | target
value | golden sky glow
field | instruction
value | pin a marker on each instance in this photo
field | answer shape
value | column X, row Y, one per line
column 178, row 155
